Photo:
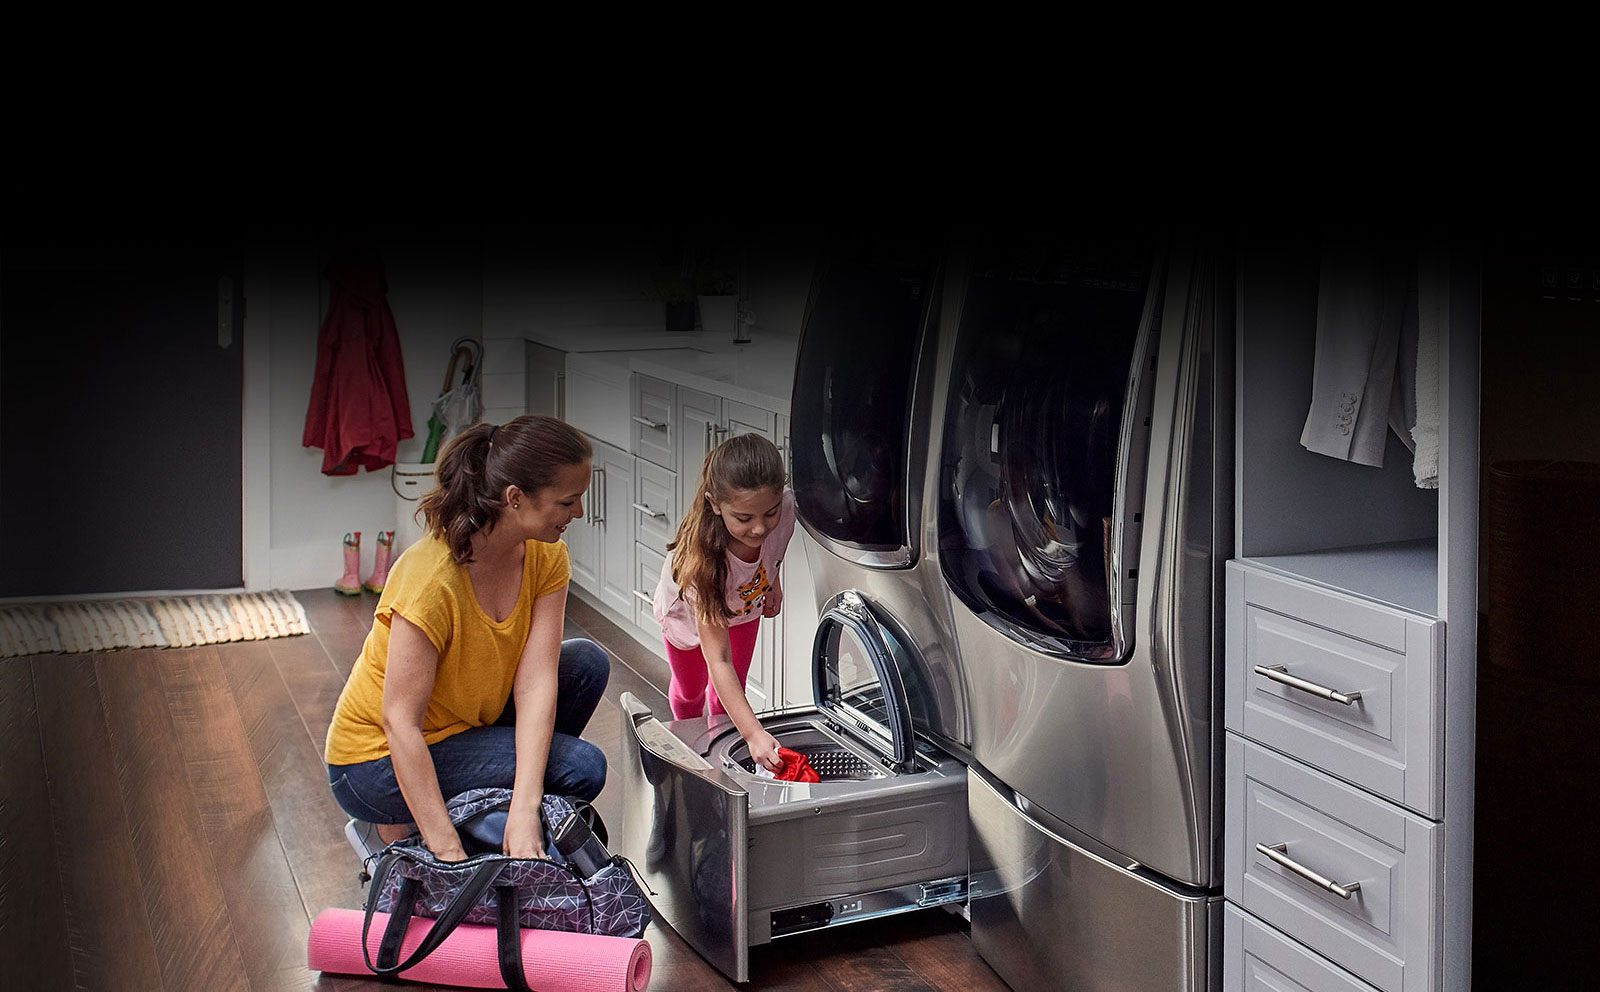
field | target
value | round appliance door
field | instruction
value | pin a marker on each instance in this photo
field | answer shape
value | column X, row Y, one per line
column 856, row 677
column 1049, row 339
column 860, row 338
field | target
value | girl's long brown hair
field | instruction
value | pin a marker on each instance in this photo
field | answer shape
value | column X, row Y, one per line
column 699, row 551
column 473, row 473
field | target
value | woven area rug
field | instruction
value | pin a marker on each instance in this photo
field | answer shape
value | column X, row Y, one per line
column 175, row 622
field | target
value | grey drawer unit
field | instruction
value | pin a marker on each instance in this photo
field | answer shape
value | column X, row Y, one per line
column 647, row 572
column 1349, row 875
column 1346, row 685
column 655, row 412
column 1257, row 958
column 655, row 501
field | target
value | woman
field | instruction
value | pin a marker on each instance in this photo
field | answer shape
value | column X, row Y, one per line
column 464, row 681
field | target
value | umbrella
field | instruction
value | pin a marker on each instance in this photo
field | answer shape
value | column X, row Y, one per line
column 460, row 405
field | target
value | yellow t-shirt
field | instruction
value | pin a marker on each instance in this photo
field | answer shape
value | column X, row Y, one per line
column 477, row 656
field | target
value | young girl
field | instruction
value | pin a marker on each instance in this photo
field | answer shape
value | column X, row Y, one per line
column 721, row 578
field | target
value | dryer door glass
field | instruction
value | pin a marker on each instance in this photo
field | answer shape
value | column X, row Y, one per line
column 860, row 338
column 1040, row 378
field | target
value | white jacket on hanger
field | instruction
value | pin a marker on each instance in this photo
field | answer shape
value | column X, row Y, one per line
column 1362, row 380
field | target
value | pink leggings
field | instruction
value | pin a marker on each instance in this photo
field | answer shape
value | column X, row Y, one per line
column 691, row 678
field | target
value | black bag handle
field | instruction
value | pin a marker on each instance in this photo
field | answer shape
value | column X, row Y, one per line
column 508, row 927
column 400, row 915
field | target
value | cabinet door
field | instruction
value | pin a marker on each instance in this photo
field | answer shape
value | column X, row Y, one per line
column 655, row 410
column 699, row 414
column 782, row 429
column 583, row 535
column 742, row 418
column 758, row 687
column 615, row 504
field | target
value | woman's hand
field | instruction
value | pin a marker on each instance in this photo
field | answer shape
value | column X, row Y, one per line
column 524, row 838
column 764, row 748
column 449, row 851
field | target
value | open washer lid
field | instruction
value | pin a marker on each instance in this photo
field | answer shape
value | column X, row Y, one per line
column 856, row 677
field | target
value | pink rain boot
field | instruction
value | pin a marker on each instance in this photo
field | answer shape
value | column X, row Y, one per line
column 380, row 562
column 349, row 584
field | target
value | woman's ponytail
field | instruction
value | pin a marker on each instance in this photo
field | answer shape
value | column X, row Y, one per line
column 478, row 464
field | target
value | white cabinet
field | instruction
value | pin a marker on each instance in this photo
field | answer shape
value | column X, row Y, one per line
column 699, row 420
column 1350, row 654
column 601, row 543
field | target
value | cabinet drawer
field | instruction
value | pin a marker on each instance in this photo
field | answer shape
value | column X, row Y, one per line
column 1385, row 858
column 655, row 412
column 655, row 500
column 647, row 572
column 1256, row 958
column 1384, row 661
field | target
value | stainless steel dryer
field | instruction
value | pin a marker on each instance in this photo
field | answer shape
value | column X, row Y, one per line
column 1082, row 469
column 735, row 859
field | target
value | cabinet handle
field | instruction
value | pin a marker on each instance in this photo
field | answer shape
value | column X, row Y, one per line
column 1279, row 853
column 649, row 512
column 600, row 501
column 709, row 445
column 1280, row 673
column 644, row 597
column 646, row 421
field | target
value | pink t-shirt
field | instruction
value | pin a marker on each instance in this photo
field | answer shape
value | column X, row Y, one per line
column 748, row 584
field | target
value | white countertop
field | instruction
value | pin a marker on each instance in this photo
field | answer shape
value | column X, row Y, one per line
column 760, row 373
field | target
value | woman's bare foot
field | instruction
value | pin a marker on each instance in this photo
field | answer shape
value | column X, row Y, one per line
column 391, row 832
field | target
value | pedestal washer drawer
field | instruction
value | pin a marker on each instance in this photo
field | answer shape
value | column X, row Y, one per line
column 1345, row 685
column 1257, row 958
column 1351, row 876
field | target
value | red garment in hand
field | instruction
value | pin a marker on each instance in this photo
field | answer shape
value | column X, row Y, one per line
column 795, row 767
column 359, row 411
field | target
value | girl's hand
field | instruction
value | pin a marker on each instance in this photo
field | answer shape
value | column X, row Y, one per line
column 523, row 838
column 764, row 748
column 773, row 602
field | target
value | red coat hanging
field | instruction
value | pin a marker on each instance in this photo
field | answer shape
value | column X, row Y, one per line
column 359, row 410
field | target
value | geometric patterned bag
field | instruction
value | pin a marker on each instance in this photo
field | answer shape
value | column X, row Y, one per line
column 540, row 893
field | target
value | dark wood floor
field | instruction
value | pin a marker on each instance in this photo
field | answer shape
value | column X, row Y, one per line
column 166, row 824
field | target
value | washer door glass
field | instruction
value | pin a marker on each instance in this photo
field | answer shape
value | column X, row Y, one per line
column 1038, row 386
column 856, row 680
column 857, row 356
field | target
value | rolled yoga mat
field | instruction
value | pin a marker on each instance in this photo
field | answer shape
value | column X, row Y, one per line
column 552, row 960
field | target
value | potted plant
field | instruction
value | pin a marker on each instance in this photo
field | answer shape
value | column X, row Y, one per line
column 717, row 291
column 676, row 291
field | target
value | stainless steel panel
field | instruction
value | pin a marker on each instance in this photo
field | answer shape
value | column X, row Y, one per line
column 684, row 827
column 1128, row 754
column 1049, row 914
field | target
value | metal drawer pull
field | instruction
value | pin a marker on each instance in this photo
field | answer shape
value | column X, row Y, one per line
column 644, row 597
column 646, row 421
column 1279, row 853
column 649, row 512
column 1280, row 673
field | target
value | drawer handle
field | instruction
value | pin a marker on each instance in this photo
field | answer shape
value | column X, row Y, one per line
column 644, row 597
column 1280, row 673
column 649, row 512
column 1279, row 853
column 646, row 421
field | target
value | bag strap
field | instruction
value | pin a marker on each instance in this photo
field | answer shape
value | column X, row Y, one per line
column 400, row 916
column 508, row 928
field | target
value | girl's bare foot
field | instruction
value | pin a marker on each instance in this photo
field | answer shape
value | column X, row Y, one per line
column 391, row 832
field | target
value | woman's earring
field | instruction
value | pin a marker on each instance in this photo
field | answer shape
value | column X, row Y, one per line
column 516, row 506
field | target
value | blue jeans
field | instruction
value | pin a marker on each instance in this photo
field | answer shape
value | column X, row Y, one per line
column 486, row 757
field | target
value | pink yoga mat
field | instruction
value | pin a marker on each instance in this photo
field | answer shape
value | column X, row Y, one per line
column 553, row 961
